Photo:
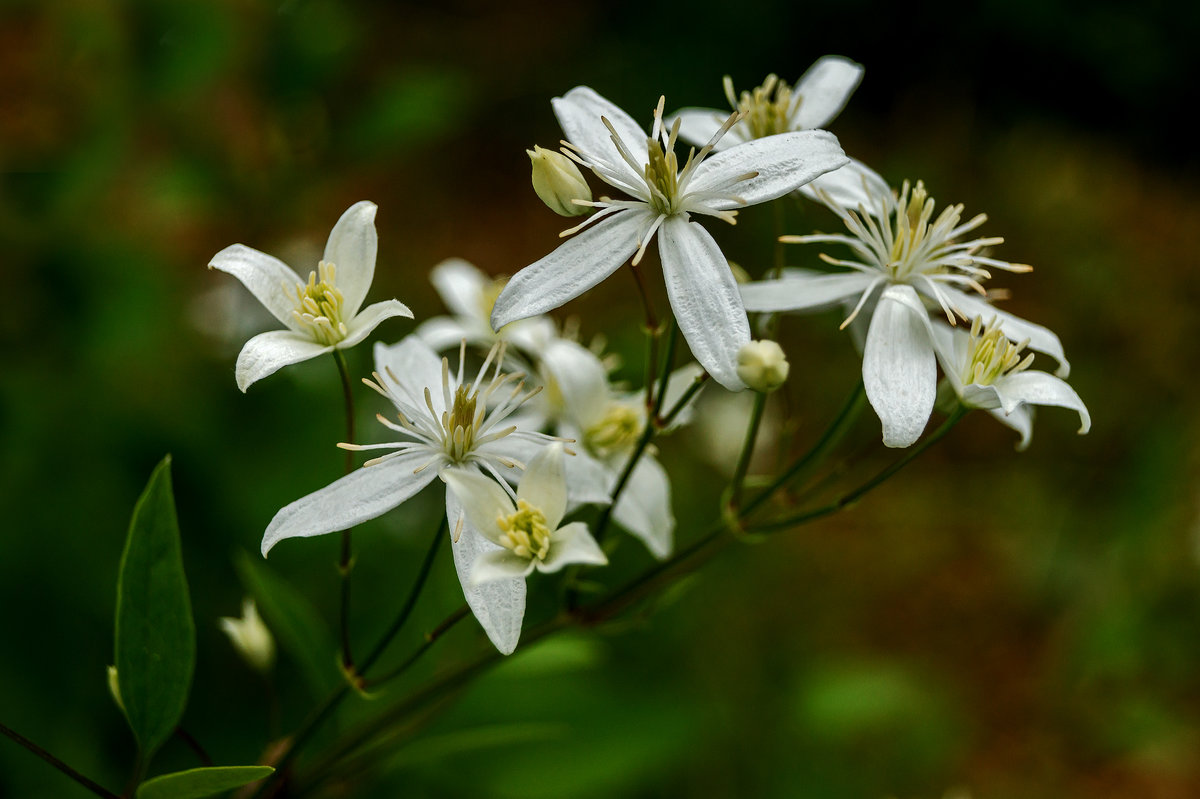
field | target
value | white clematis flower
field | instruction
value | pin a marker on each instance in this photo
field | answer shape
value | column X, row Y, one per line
column 447, row 423
column 470, row 295
column 900, row 245
column 700, row 285
column 321, row 315
column 526, row 531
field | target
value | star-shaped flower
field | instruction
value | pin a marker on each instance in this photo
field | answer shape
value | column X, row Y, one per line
column 321, row 314
column 700, row 285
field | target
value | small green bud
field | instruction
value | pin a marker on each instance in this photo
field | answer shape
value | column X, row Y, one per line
column 558, row 182
column 762, row 366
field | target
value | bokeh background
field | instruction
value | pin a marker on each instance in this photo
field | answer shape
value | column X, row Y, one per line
column 988, row 624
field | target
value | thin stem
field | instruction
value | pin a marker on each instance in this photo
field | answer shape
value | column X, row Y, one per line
column 682, row 402
column 743, row 461
column 92, row 786
column 651, row 318
column 664, row 376
column 430, row 638
column 191, row 743
column 346, row 561
column 849, row 498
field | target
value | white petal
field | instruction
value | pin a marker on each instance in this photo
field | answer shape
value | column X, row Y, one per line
column 572, row 544
column 783, row 163
column 269, row 279
column 269, row 352
column 899, row 369
column 805, row 292
column 532, row 335
column 1020, row 420
column 499, row 605
column 416, row 366
column 1016, row 328
column 587, row 479
column 352, row 246
column 579, row 112
column 446, row 332
column 460, row 285
column 704, row 297
column 699, row 125
column 580, row 378
column 1039, row 388
column 500, row 565
column 825, row 88
column 852, row 187
column 361, row 495
column 369, row 318
column 544, row 484
column 482, row 499
column 579, row 263
column 644, row 507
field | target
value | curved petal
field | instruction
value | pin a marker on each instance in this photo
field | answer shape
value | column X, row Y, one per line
column 270, row 280
column 572, row 544
column 780, row 164
column 580, row 378
column 544, row 484
column 699, row 125
column 267, row 353
column 1016, row 328
column 824, row 90
column 369, row 318
column 500, row 565
column 704, row 297
column 445, row 332
column 579, row 263
column 498, row 605
column 588, row 480
column 805, row 292
column 899, row 369
column 415, row 366
column 854, row 186
column 1039, row 388
column 644, row 507
column 361, row 495
column 579, row 112
column 482, row 499
column 1020, row 420
column 460, row 285
column 352, row 246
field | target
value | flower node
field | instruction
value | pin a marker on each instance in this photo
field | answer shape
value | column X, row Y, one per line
column 319, row 305
column 525, row 532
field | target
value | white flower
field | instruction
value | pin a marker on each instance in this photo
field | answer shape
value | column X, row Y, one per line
column 527, row 531
column 447, row 423
column 470, row 295
column 700, row 285
column 322, row 314
column 250, row 637
column 900, row 245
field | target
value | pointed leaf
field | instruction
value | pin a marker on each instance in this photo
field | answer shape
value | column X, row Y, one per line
column 200, row 782
column 155, row 634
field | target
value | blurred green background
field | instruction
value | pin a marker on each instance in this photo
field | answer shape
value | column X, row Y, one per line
column 1001, row 624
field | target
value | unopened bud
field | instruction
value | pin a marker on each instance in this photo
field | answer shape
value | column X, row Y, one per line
column 251, row 638
column 762, row 365
column 558, row 182
column 114, row 687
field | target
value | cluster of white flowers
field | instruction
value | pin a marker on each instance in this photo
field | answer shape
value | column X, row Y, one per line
column 913, row 280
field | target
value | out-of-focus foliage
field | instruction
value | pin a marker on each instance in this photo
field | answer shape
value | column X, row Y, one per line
column 1018, row 625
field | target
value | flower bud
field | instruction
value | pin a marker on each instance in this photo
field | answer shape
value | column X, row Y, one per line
column 558, row 182
column 114, row 687
column 762, row 365
column 251, row 638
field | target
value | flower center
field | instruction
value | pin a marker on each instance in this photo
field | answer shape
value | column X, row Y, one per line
column 768, row 109
column 525, row 532
column 617, row 431
column 662, row 174
column 319, row 305
column 460, row 423
column 991, row 355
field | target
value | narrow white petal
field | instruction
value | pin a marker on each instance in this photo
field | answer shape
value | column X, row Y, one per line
column 460, row 285
column 805, row 292
column 588, row 480
column 369, row 318
column 482, row 499
column 1039, row 388
column 783, row 163
column 352, row 246
column 825, row 88
column 572, row 544
column 1016, row 328
column 851, row 187
column 544, row 484
column 704, row 297
column 446, row 332
column 579, row 263
column 498, row 605
column 699, row 125
column 580, row 378
column 899, row 368
column 644, row 507
column 415, row 365
column 269, row 279
column 269, row 352
column 579, row 112
column 361, row 495
column 500, row 565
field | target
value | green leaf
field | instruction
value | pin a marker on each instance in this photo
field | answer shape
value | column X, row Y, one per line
column 295, row 623
column 155, row 636
column 200, row 782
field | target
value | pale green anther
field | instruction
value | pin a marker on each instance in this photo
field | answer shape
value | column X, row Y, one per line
column 319, row 305
column 559, row 183
column 617, row 431
column 991, row 355
column 525, row 532
column 769, row 108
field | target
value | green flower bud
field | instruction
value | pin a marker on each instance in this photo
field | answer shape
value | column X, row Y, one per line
column 762, row 366
column 558, row 182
